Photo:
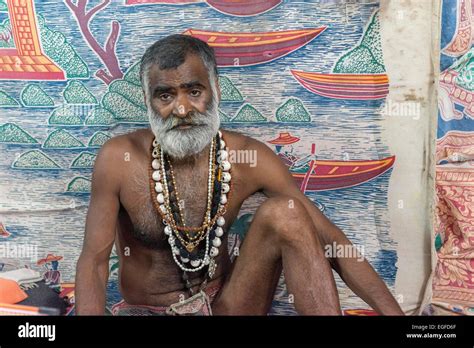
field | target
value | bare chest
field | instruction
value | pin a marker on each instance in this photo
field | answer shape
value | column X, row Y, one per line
column 139, row 217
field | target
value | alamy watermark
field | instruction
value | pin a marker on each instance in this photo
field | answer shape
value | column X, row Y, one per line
column 336, row 250
column 409, row 109
column 242, row 156
column 19, row 251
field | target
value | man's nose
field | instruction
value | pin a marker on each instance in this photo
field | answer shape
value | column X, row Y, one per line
column 182, row 106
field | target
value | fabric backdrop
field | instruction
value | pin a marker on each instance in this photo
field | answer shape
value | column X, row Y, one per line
column 318, row 70
column 453, row 236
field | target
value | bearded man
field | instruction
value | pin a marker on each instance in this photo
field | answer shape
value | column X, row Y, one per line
column 166, row 197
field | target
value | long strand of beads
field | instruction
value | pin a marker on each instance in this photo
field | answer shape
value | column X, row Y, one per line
column 163, row 198
column 225, row 166
column 198, row 265
column 193, row 242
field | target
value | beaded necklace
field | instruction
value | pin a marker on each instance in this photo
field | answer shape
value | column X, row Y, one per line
column 192, row 248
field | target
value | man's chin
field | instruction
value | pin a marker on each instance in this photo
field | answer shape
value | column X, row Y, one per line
column 183, row 156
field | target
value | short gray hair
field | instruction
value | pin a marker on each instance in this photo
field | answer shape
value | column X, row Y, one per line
column 171, row 51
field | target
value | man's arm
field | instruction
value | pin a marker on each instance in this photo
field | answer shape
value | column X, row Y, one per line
column 93, row 265
column 274, row 179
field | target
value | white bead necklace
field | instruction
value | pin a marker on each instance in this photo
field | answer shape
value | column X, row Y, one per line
column 163, row 198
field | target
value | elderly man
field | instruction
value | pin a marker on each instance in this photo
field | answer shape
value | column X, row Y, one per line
column 166, row 197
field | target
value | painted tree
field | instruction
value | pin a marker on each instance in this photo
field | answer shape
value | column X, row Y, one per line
column 107, row 53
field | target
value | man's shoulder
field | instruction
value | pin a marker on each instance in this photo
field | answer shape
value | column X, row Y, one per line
column 128, row 142
column 251, row 156
column 238, row 141
column 117, row 157
column 123, row 150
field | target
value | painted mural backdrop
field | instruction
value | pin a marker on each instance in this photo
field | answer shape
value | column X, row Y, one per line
column 453, row 284
column 306, row 77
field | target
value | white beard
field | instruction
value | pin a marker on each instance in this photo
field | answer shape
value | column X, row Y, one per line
column 182, row 143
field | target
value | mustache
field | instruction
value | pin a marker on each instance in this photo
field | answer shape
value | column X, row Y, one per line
column 193, row 119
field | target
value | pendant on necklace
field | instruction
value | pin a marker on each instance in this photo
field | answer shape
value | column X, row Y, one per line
column 212, row 268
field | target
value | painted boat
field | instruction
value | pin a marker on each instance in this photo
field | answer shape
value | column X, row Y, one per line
column 239, row 8
column 170, row 2
column 344, row 86
column 243, row 8
column 331, row 175
column 3, row 231
column 245, row 49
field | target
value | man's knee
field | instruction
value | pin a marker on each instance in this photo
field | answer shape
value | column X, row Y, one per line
column 286, row 217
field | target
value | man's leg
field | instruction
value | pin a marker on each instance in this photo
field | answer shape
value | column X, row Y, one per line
column 282, row 234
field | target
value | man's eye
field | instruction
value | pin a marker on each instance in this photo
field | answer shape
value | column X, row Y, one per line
column 165, row 97
column 196, row 93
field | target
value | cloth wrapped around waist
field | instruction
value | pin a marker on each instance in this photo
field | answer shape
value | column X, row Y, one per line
column 124, row 308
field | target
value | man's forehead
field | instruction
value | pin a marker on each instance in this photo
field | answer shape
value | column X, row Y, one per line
column 192, row 70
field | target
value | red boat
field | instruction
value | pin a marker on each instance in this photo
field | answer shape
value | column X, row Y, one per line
column 331, row 175
column 344, row 86
column 3, row 231
column 243, row 7
column 312, row 174
column 172, row 2
column 245, row 49
column 240, row 8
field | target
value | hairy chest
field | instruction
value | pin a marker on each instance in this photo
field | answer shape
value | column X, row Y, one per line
column 139, row 213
